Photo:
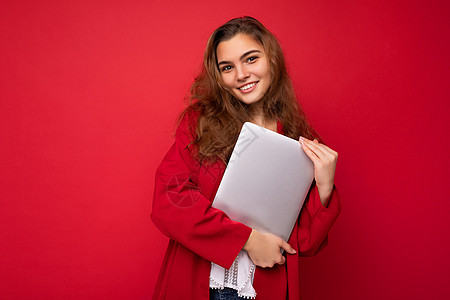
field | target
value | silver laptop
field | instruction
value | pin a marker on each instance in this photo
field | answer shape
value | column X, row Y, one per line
column 266, row 181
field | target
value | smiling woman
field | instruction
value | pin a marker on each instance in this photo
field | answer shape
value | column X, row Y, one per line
column 210, row 256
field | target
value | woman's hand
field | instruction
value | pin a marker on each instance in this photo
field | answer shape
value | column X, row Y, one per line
column 264, row 249
column 324, row 160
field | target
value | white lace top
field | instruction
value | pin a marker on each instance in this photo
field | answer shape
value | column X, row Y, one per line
column 239, row 276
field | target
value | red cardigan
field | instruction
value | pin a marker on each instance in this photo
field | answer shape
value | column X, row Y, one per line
column 200, row 234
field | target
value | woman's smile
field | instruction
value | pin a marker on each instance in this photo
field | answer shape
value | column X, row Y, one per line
column 248, row 87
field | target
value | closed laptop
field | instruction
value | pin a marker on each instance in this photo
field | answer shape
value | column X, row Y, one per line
column 266, row 181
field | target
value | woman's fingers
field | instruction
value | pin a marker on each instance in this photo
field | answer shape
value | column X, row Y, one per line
column 329, row 149
column 324, row 162
column 319, row 149
column 264, row 249
column 310, row 148
column 310, row 153
column 287, row 247
column 283, row 260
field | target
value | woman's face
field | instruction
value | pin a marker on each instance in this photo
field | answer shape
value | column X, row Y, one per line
column 244, row 67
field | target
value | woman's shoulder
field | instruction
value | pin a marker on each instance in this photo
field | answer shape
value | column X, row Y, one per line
column 187, row 123
column 188, row 118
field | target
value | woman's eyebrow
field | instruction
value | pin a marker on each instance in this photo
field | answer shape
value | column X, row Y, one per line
column 242, row 56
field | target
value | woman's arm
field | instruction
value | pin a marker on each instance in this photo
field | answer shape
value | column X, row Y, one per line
column 183, row 214
column 315, row 221
column 323, row 205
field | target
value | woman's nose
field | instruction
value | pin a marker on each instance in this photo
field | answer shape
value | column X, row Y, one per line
column 242, row 73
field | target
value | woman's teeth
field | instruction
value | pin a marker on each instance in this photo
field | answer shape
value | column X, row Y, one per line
column 246, row 87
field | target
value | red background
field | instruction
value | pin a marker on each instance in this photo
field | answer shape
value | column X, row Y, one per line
column 89, row 95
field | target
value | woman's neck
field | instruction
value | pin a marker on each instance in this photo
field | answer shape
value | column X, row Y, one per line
column 261, row 121
column 258, row 118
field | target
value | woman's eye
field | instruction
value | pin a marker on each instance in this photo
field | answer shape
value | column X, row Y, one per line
column 251, row 59
column 226, row 68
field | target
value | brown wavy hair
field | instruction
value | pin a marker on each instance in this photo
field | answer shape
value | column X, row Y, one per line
column 221, row 115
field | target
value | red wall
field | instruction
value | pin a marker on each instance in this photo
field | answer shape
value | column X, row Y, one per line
column 89, row 93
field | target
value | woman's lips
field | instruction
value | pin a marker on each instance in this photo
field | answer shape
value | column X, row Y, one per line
column 247, row 88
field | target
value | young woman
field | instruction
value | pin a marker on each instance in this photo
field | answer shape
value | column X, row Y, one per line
column 210, row 256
